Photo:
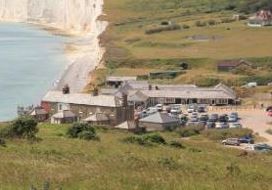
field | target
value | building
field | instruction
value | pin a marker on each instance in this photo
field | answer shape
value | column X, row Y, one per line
column 39, row 114
column 99, row 119
column 83, row 105
column 146, row 95
column 229, row 65
column 158, row 122
column 260, row 19
column 64, row 117
column 115, row 81
column 127, row 125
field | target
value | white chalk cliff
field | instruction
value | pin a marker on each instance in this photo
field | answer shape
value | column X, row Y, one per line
column 74, row 16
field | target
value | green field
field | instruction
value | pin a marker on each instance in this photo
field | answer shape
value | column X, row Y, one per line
column 113, row 164
column 130, row 51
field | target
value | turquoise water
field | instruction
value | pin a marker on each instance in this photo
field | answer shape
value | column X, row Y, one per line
column 30, row 61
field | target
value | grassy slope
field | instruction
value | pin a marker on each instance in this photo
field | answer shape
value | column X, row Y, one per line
column 131, row 52
column 112, row 164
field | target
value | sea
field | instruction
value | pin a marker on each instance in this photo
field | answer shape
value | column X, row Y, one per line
column 31, row 61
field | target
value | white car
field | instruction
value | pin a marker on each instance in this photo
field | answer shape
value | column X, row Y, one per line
column 235, row 125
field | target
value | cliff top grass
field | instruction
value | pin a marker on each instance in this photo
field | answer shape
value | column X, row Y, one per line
column 112, row 163
column 127, row 43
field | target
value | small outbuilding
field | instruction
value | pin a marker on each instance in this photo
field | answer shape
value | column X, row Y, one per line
column 229, row 65
column 64, row 116
column 98, row 119
column 39, row 114
column 158, row 122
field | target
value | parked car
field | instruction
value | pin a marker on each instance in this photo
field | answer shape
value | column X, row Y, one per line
column 269, row 113
column 221, row 125
column 191, row 108
column 213, row 118
column 159, row 107
column 235, row 125
column 259, row 148
column 194, row 119
column 201, row 109
column 210, row 125
column 235, row 114
column 247, row 140
column 204, row 117
column 231, row 141
column 232, row 119
column 223, row 118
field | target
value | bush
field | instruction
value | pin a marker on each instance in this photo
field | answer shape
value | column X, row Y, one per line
column 269, row 131
column 190, row 131
column 176, row 144
column 2, row 142
column 146, row 140
column 185, row 26
column 163, row 28
column 82, row 131
column 227, row 20
column 200, row 24
column 212, row 22
column 23, row 127
column 221, row 134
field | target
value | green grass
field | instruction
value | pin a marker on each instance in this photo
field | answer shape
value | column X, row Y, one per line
column 112, row 164
column 131, row 52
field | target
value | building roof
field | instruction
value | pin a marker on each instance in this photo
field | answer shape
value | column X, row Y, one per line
column 97, row 117
column 137, row 96
column 160, row 118
column 82, row 99
column 126, row 125
column 120, row 79
column 232, row 63
column 38, row 111
column 64, row 114
column 191, row 93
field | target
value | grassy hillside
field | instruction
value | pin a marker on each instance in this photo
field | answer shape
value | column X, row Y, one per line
column 111, row 164
column 130, row 51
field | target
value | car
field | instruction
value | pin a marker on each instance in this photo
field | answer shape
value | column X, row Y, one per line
column 204, row 117
column 232, row 119
column 191, row 108
column 159, row 107
column 223, row 118
column 259, row 148
column 210, row 125
column 201, row 109
column 213, row 118
column 247, row 140
column 235, row 114
column 221, row 125
column 235, row 125
column 231, row 141
column 151, row 110
column 194, row 119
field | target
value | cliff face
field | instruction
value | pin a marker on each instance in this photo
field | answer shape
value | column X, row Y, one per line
column 72, row 16
column 77, row 15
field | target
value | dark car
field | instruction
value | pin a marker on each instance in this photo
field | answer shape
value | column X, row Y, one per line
column 223, row 118
column 201, row 109
column 210, row 125
column 204, row 118
column 213, row 118
column 247, row 140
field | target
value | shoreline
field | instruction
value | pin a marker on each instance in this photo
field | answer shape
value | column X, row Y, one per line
column 84, row 52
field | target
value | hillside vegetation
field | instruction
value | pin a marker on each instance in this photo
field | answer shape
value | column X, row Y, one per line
column 139, row 41
column 115, row 162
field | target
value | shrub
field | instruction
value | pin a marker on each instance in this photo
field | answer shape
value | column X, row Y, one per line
column 190, row 131
column 200, row 24
column 2, row 142
column 269, row 131
column 23, row 127
column 176, row 144
column 227, row 20
column 82, row 131
column 212, row 22
column 221, row 134
column 146, row 140
column 163, row 28
column 185, row 26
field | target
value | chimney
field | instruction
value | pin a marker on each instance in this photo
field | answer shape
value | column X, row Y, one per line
column 124, row 100
column 66, row 89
